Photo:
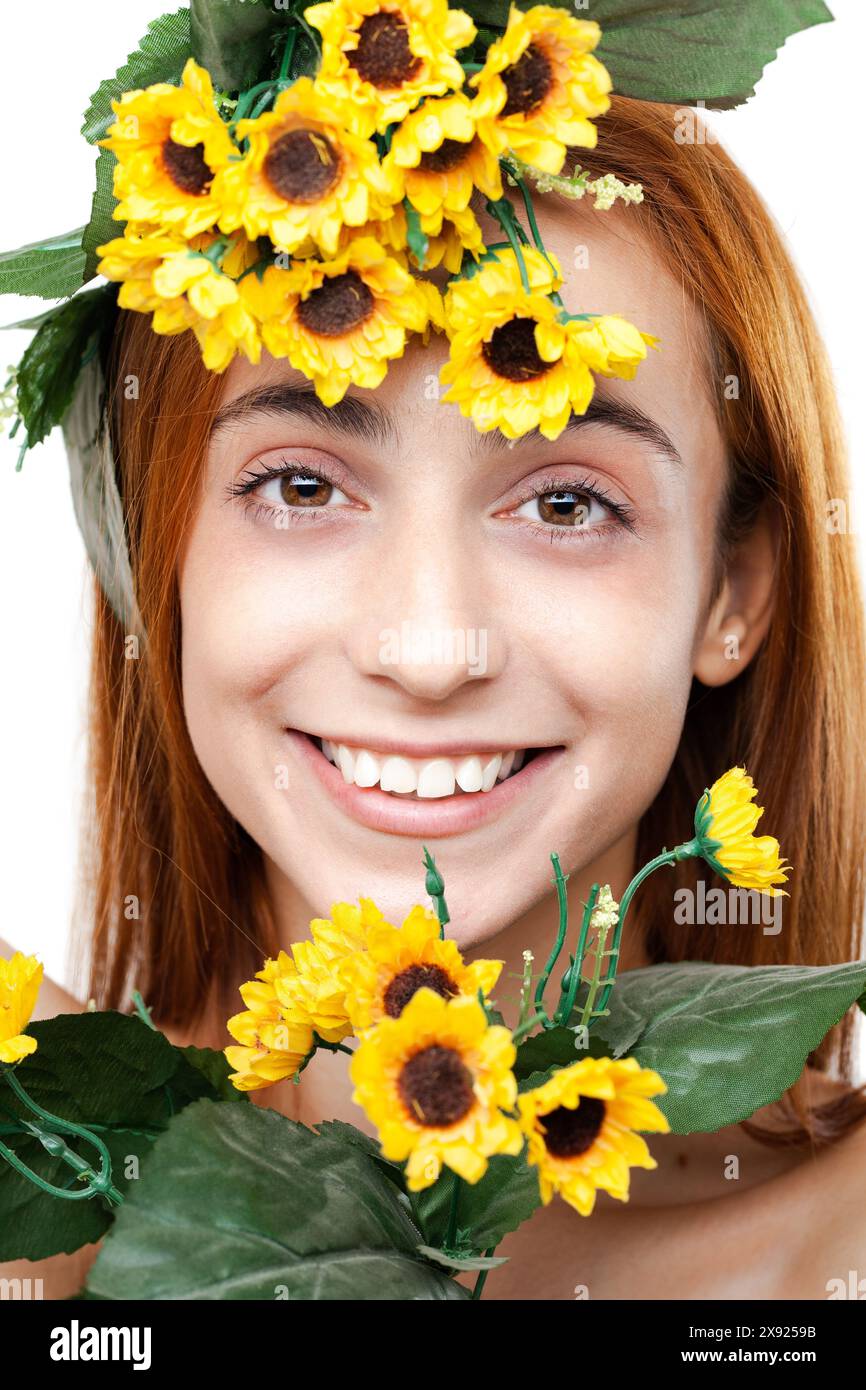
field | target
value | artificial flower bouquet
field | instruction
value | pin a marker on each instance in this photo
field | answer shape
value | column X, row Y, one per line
column 110, row 1132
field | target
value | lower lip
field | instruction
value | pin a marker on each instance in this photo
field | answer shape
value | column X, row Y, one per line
column 451, row 815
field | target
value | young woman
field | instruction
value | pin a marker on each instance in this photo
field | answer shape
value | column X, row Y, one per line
column 630, row 610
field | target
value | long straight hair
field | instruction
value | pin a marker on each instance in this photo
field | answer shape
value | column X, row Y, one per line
column 173, row 877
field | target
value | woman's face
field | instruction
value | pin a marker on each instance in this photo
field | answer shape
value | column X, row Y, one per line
column 382, row 576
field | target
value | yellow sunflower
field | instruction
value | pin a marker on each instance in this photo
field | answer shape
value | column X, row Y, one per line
column 449, row 235
column 725, row 820
column 20, row 978
column 338, row 321
column 514, row 364
column 539, row 86
column 398, row 961
column 438, row 158
column 305, row 174
column 175, row 281
column 381, row 57
column 274, row 1039
column 580, row 1125
column 435, row 1082
column 170, row 142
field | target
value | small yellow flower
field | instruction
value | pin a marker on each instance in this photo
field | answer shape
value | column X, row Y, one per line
column 398, row 961
column 274, row 1040
column 305, row 174
column 514, row 363
column 435, row 1082
column 20, row 978
column 169, row 142
column 580, row 1125
column 313, row 988
column 438, row 158
column 380, row 57
column 540, row 85
column 338, row 321
column 175, row 282
column 725, row 821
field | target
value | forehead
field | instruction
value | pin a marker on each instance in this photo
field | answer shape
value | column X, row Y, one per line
column 609, row 265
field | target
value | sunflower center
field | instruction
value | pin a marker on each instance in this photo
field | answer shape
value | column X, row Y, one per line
column 449, row 154
column 383, row 56
column 341, row 303
column 404, row 986
column 527, row 82
column 436, row 1087
column 185, row 166
column 302, row 166
column 568, row 1133
column 511, row 351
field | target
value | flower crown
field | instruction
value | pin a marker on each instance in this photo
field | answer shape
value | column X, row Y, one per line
column 288, row 174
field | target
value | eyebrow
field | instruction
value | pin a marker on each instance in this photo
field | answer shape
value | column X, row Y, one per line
column 370, row 424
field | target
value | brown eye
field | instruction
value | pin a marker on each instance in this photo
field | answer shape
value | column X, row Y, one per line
column 304, row 490
column 565, row 508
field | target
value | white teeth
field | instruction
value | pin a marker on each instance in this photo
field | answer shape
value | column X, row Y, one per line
column 469, row 774
column 436, row 778
column 398, row 775
column 347, row 763
column 366, row 769
column 427, row 778
column 491, row 772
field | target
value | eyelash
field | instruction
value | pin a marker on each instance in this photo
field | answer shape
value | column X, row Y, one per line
column 245, row 487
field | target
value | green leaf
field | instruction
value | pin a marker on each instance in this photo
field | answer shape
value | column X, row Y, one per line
column 503, row 1199
column 160, row 57
column 683, row 50
column 104, row 1070
column 348, row 1134
column 49, row 369
column 238, row 1202
column 727, row 1039
column 203, row 1071
column 416, row 240
column 232, row 39
column 52, row 269
column 686, row 51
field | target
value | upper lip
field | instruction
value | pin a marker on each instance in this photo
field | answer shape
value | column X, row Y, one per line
column 442, row 748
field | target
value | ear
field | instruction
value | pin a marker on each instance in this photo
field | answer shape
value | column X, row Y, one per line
column 740, row 616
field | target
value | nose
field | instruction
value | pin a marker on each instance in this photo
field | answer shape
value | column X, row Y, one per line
column 422, row 618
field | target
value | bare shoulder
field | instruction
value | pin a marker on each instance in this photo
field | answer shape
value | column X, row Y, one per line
column 53, row 998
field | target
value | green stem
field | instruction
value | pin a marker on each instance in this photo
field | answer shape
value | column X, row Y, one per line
column 690, row 850
column 571, row 978
column 434, row 885
column 501, row 209
column 560, row 881
column 143, row 1011
column 482, row 1274
column 530, row 1023
column 98, row 1183
column 451, row 1233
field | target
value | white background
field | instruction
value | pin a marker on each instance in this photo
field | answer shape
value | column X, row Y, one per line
column 797, row 139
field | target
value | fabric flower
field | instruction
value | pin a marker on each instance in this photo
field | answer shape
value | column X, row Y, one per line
column 580, row 1125
column 274, row 1041
column 439, row 159
column 435, row 1082
column 338, row 321
column 398, row 961
column 725, row 821
column 20, row 978
column 169, row 142
column 305, row 174
column 182, row 288
column 380, row 57
column 516, row 363
column 540, row 85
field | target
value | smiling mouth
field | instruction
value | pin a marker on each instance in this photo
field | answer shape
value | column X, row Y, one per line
column 418, row 779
